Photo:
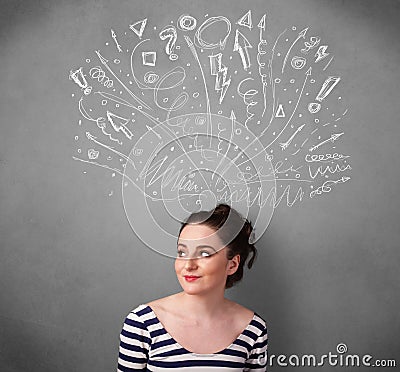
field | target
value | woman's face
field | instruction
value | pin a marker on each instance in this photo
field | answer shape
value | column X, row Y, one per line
column 202, row 264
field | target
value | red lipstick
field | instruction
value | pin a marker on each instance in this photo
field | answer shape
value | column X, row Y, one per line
column 191, row 278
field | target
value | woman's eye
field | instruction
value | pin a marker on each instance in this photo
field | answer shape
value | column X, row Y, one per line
column 181, row 253
column 205, row 254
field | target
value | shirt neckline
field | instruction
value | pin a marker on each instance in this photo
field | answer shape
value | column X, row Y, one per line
column 202, row 354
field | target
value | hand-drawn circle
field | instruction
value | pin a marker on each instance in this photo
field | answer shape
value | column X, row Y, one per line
column 298, row 62
column 150, row 77
column 180, row 171
column 186, row 22
column 200, row 42
column 314, row 107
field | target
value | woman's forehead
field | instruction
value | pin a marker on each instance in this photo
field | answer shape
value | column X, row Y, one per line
column 199, row 233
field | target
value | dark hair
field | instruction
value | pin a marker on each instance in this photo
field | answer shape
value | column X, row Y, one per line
column 232, row 229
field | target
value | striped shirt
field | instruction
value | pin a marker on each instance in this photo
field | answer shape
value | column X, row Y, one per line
column 145, row 345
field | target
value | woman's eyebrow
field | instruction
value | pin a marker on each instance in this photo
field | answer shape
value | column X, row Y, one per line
column 198, row 247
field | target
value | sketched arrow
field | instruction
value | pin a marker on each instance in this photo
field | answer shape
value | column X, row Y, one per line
column 105, row 64
column 332, row 139
column 241, row 45
column 286, row 144
column 94, row 139
column 301, row 34
column 114, row 36
column 262, row 25
column 308, row 73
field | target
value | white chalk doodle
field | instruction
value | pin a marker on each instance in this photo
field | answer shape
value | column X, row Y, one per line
column 321, row 171
column 321, row 53
column 327, row 87
column 186, row 22
column 280, row 112
column 105, row 63
column 247, row 99
column 327, row 186
column 138, row 27
column 114, row 36
column 149, row 58
column 324, row 158
column 93, row 154
column 262, row 25
column 298, row 62
column 246, row 20
column 220, row 72
column 100, row 121
column 331, row 139
column 313, row 43
column 301, row 35
column 220, row 43
column 285, row 145
column 224, row 117
column 242, row 45
column 169, row 33
column 98, row 74
column 327, row 65
column 79, row 78
column 119, row 124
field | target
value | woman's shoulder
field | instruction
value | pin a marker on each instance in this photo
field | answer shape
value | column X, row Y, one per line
column 249, row 317
column 162, row 304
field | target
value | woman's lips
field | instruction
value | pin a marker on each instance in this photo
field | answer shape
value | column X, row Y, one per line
column 191, row 278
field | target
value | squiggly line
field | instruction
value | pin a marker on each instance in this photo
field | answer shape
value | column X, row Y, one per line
column 320, row 170
column 247, row 99
column 326, row 186
column 180, row 101
column 325, row 158
column 94, row 139
column 98, row 74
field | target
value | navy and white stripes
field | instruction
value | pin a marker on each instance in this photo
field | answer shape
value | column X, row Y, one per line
column 145, row 345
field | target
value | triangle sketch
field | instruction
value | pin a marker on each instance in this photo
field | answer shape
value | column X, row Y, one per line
column 246, row 20
column 280, row 113
column 138, row 27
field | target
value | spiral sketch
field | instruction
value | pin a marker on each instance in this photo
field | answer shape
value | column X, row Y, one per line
column 209, row 109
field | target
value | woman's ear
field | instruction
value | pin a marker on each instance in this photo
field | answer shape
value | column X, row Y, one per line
column 233, row 264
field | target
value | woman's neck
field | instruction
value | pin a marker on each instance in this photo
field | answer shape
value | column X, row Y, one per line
column 203, row 307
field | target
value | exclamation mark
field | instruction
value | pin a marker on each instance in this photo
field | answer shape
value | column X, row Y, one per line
column 326, row 88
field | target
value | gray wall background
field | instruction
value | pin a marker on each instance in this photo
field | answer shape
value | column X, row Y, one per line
column 71, row 267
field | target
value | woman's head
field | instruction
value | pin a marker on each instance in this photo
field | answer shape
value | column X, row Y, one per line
column 233, row 233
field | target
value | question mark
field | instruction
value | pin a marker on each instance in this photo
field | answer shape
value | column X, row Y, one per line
column 169, row 32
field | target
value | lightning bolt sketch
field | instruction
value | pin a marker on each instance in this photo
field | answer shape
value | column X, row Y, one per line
column 220, row 72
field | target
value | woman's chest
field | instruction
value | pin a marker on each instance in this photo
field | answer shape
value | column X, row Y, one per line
column 203, row 339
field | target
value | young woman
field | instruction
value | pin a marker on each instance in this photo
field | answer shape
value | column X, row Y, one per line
column 198, row 329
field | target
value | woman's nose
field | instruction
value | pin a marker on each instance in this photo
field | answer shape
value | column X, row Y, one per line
column 191, row 263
